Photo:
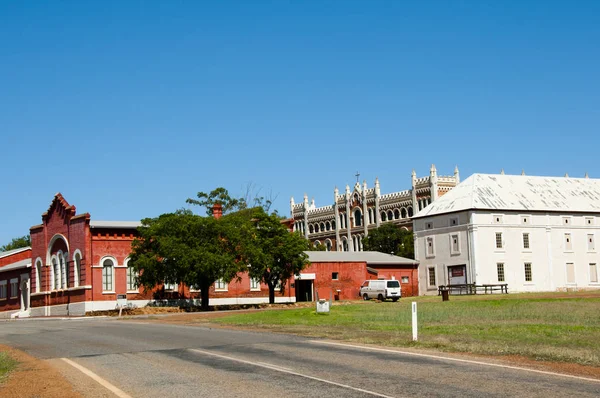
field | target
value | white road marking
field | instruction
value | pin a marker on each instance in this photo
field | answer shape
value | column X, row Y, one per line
column 469, row 361
column 119, row 393
column 283, row 370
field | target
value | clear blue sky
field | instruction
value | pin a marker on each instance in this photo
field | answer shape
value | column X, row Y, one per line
column 130, row 107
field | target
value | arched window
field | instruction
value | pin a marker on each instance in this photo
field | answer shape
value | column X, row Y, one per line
column 317, row 227
column 38, row 276
column 396, row 214
column 131, row 276
column 403, row 213
column 345, row 244
column 370, row 216
column 310, row 228
column 107, row 275
column 357, row 218
column 341, row 220
column 333, row 224
column 383, row 216
column 355, row 243
column 327, row 225
column 316, row 243
column 410, row 212
column 328, row 245
column 76, row 269
column 390, row 215
column 322, row 226
column 55, row 274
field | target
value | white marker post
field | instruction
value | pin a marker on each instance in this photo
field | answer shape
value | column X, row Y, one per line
column 414, row 320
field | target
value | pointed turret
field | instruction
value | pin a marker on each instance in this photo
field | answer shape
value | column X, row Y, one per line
column 566, row 175
column 433, row 185
column 523, row 172
column 456, row 175
column 586, row 175
column 502, row 172
column 377, row 188
column 292, row 204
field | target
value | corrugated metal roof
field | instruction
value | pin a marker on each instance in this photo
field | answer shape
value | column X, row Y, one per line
column 520, row 193
column 115, row 224
column 14, row 251
column 368, row 257
column 19, row 264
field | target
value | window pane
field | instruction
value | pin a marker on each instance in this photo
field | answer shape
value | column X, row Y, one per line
column 500, row 267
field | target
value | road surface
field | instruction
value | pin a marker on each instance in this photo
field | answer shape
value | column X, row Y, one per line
column 109, row 357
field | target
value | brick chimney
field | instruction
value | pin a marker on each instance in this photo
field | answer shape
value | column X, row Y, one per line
column 217, row 210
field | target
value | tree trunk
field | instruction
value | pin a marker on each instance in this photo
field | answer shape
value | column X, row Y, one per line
column 271, row 292
column 204, row 297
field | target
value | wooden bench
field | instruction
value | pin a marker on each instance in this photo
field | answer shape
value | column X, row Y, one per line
column 471, row 288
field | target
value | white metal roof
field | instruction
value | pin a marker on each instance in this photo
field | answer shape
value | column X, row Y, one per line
column 14, row 251
column 115, row 224
column 19, row 264
column 520, row 193
column 368, row 257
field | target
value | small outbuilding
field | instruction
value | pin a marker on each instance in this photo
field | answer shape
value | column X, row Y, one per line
column 340, row 274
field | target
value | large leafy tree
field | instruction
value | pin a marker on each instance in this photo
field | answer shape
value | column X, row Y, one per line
column 218, row 196
column 274, row 253
column 392, row 239
column 17, row 243
column 182, row 247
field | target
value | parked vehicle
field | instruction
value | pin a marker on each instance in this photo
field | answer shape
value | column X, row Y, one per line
column 381, row 289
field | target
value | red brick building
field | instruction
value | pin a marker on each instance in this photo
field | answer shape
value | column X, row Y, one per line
column 77, row 265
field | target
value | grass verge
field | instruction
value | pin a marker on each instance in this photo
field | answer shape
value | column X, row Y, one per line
column 7, row 364
column 541, row 327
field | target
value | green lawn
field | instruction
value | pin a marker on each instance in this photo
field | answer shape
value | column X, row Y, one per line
column 6, row 365
column 542, row 327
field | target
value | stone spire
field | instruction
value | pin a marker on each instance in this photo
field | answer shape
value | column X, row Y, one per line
column 433, row 185
column 336, row 192
column 522, row 172
column 586, row 175
column 292, row 204
column 566, row 175
column 502, row 172
column 456, row 175
column 305, row 201
column 377, row 188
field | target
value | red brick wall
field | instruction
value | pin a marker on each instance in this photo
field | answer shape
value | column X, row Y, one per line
column 351, row 275
column 12, row 303
column 13, row 258
column 397, row 272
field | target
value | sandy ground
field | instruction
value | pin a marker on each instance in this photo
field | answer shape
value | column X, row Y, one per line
column 34, row 378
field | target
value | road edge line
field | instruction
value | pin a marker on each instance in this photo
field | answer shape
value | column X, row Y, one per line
column 118, row 392
column 469, row 361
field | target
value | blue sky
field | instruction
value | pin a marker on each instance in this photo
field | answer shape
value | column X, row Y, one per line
column 129, row 108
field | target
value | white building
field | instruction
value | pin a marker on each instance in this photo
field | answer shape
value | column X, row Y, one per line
column 533, row 233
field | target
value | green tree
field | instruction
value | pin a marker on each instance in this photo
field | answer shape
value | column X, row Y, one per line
column 274, row 253
column 182, row 247
column 221, row 196
column 17, row 243
column 392, row 239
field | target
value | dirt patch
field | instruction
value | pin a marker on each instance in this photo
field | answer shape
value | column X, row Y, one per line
column 34, row 378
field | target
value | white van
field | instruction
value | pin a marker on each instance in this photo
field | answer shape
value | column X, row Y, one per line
column 381, row 289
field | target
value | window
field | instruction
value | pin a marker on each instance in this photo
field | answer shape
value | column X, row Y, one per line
column 38, row 276
column 77, row 269
column 410, row 211
column 524, row 219
column 497, row 219
column 131, row 277
column 430, row 251
column 591, row 245
column 383, row 216
column 405, row 279
column 570, row 273
column 345, row 244
column 428, row 225
column 107, row 275
column 390, row 215
column 528, row 273
column 328, row 245
column 254, row 284
column 403, row 213
column 499, row 240
column 171, row 287
column 220, row 285
column 568, row 242
column 593, row 273
column 357, row 218
column 589, row 221
column 454, row 244
column 431, row 276
column 454, row 221
column 14, row 288
column 64, row 271
column 2, row 290
column 310, row 229
column 396, row 214
column 567, row 220
column 525, row 241
column 334, row 276
column 500, row 269
column 56, row 271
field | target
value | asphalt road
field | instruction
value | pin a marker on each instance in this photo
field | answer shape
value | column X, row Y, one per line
column 157, row 360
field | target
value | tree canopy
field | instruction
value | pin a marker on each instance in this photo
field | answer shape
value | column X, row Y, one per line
column 17, row 243
column 274, row 253
column 182, row 247
column 392, row 239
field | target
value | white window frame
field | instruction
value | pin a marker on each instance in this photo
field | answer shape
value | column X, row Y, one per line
column 568, row 242
column 566, row 221
column 453, row 250
column 130, row 272
column 171, row 287
column 453, row 221
column 497, row 218
column 429, row 225
column 14, row 288
column 337, row 276
column 530, row 272
column 593, row 270
column 496, row 241
column 3, row 290
column 526, row 242
column 55, row 272
column 221, row 286
column 112, row 282
column 500, row 266
column 591, row 243
column 428, row 253
column 429, row 272
column 526, row 219
column 574, row 281
column 589, row 221
column 254, row 284
column 77, row 257
column 39, row 269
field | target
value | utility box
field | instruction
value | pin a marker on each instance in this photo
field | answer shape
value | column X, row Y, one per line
column 322, row 306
